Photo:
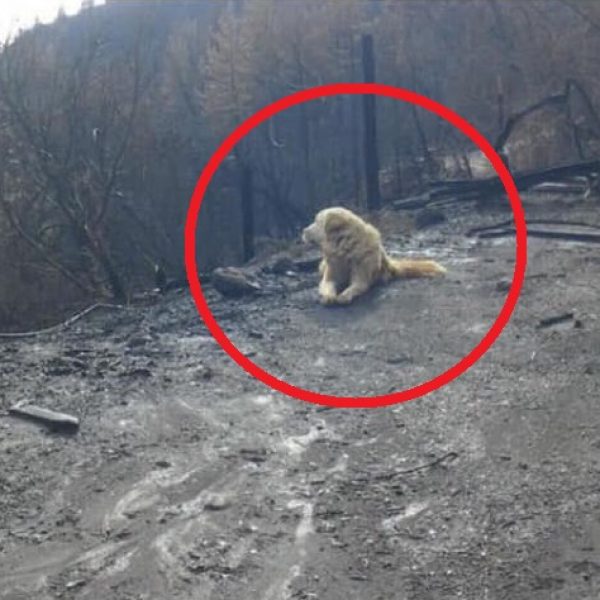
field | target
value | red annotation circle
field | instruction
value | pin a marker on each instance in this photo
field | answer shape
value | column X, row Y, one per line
column 390, row 92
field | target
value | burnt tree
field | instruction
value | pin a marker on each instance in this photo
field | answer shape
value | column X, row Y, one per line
column 370, row 123
column 63, row 181
column 560, row 101
column 247, row 196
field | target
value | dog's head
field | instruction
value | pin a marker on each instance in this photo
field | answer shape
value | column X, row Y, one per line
column 327, row 222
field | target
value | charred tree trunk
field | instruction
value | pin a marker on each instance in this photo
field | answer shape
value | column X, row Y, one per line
column 500, row 102
column 430, row 164
column 305, row 135
column 355, row 129
column 370, row 120
column 247, row 195
column 104, row 260
column 305, row 143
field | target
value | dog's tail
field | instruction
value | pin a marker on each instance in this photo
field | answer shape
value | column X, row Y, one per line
column 394, row 268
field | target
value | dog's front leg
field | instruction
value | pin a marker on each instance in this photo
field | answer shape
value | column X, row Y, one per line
column 327, row 292
column 327, row 288
column 356, row 288
column 359, row 284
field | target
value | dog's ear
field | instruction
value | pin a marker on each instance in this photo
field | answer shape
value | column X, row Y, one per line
column 334, row 223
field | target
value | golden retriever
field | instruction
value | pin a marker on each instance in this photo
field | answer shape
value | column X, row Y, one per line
column 354, row 259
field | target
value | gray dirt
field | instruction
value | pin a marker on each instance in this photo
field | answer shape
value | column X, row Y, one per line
column 190, row 480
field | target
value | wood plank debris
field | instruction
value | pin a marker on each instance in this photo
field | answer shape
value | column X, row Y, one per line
column 56, row 421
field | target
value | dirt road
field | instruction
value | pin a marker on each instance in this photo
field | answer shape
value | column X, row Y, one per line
column 190, row 480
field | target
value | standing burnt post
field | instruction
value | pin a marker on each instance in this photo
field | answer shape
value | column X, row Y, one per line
column 370, row 122
column 247, row 197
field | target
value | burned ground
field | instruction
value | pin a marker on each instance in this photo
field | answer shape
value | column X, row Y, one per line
column 188, row 479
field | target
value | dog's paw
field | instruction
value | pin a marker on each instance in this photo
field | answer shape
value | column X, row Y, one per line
column 328, row 299
column 344, row 298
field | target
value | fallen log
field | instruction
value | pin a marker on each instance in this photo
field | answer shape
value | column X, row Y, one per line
column 574, row 186
column 555, row 320
column 590, row 238
column 412, row 202
column 52, row 419
column 430, row 198
column 464, row 190
column 233, row 282
column 510, row 222
column 523, row 179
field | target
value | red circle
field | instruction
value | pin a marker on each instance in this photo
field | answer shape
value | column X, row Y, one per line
column 332, row 90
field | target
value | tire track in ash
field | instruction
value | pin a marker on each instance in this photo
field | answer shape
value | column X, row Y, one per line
column 208, row 522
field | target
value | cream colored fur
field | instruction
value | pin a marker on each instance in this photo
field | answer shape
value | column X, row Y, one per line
column 354, row 259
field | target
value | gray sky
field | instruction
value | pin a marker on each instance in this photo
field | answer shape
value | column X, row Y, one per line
column 21, row 14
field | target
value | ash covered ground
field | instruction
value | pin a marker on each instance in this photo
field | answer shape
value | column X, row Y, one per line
column 190, row 480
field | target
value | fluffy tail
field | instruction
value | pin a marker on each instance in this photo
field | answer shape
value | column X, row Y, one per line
column 393, row 268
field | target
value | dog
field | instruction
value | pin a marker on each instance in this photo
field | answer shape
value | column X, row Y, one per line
column 354, row 259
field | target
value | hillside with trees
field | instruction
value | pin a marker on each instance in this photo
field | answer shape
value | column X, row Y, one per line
column 107, row 118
